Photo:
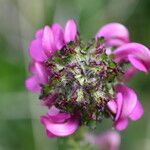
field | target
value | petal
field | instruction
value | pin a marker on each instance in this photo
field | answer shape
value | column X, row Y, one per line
column 32, row 67
column 59, row 118
column 36, row 51
column 32, row 84
column 114, row 42
column 63, row 129
column 53, row 111
column 39, row 33
column 129, row 73
column 112, row 106
column 121, row 124
column 70, row 31
column 44, row 122
column 50, row 135
column 129, row 100
column 139, row 51
column 137, row 63
column 60, row 129
column 114, row 31
column 59, row 35
column 119, row 103
column 48, row 41
column 138, row 111
column 41, row 73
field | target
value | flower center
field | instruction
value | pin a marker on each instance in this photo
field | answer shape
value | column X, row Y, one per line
column 82, row 79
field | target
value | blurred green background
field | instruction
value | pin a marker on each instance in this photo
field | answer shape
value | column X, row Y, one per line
column 19, row 19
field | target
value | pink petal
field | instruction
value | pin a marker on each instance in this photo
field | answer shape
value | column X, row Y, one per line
column 48, row 41
column 112, row 106
column 114, row 42
column 32, row 84
column 59, row 35
column 50, row 135
column 119, row 102
column 137, row 63
column 121, row 124
column 44, row 122
column 61, row 129
column 32, row 67
column 114, row 31
column 139, row 51
column 70, row 31
column 64, row 129
column 129, row 100
column 39, row 33
column 130, row 72
column 59, row 118
column 36, row 51
column 53, row 111
column 41, row 73
column 138, row 111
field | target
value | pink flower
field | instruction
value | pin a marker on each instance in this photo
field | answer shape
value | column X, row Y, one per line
column 126, row 106
column 109, row 140
column 47, row 41
column 115, row 34
column 71, row 74
column 40, row 76
column 59, row 124
column 50, row 39
column 137, row 54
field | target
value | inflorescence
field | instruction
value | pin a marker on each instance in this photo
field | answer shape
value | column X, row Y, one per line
column 83, row 83
column 82, row 79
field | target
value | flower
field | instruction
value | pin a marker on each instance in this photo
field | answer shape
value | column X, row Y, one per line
column 76, row 80
column 51, row 39
column 126, row 106
column 116, row 36
column 47, row 41
column 108, row 140
column 40, row 76
column 59, row 124
column 137, row 54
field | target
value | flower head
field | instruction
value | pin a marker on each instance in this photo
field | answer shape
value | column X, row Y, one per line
column 82, row 82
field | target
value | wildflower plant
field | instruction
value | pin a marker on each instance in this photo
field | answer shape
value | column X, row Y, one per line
column 81, row 83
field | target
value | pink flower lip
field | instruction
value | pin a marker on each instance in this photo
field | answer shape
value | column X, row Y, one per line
column 40, row 76
column 125, row 106
column 59, row 124
column 70, row 31
column 137, row 54
column 115, row 34
column 50, row 39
